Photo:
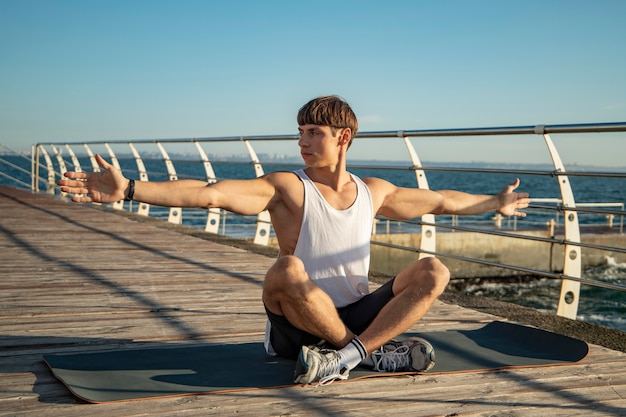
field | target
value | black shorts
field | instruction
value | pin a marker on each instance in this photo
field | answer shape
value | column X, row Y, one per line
column 287, row 340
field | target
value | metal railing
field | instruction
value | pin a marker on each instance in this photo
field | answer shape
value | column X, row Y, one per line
column 54, row 158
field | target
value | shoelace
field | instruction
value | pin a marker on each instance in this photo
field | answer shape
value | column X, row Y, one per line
column 391, row 360
column 332, row 369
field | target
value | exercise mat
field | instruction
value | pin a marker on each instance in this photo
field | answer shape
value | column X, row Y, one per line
column 136, row 374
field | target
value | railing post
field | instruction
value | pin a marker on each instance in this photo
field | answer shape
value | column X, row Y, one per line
column 263, row 222
column 118, row 205
column 213, row 215
column 176, row 213
column 428, row 241
column 51, row 184
column 60, row 160
column 34, row 168
column 74, row 159
column 570, row 290
column 143, row 209
column 92, row 158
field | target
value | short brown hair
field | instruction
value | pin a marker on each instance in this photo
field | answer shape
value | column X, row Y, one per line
column 330, row 111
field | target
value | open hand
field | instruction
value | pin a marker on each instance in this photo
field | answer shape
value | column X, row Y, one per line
column 106, row 186
column 511, row 202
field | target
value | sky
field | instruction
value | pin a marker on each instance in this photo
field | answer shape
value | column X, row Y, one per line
column 73, row 71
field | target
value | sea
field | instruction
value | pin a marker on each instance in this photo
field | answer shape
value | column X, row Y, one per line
column 597, row 305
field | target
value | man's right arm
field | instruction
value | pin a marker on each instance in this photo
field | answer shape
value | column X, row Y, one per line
column 239, row 196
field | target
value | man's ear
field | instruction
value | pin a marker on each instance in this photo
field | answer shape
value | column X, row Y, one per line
column 345, row 136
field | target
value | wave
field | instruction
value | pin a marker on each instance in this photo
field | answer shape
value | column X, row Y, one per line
column 597, row 305
column 611, row 270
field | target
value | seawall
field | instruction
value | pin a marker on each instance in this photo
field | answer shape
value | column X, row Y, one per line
column 519, row 252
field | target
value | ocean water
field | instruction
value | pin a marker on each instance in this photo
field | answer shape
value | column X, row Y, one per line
column 597, row 305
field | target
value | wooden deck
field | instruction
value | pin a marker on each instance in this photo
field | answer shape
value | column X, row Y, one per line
column 77, row 278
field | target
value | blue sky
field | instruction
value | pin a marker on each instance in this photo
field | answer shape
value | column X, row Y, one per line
column 92, row 70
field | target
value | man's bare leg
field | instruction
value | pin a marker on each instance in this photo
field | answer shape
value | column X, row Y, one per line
column 415, row 290
column 288, row 291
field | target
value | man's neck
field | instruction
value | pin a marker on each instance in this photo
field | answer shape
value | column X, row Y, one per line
column 335, row 177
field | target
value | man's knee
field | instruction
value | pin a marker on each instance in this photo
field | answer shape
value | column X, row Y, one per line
column 437, row 274
column 426, row 275
column 286, row 273
column 286, row 267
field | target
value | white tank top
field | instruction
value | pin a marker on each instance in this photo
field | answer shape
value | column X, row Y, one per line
column 334, row 245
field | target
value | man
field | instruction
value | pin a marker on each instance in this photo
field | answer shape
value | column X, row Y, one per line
column 316, row 294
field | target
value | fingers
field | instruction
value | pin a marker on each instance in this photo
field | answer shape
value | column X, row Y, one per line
column 84, row 175
column 71, row 183
column 512, row 187
column 76, row 185
column 102, row 163
column 82, row 199
column 74, row 174
column 523, row 201
column 70, row 189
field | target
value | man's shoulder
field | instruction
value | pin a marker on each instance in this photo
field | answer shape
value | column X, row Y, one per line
column 281, row 176
column 376, row 182
column 379, row 188
column 288, row 190
column 283, row 179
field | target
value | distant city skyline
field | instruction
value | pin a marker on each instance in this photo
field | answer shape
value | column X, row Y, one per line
column 78, row 71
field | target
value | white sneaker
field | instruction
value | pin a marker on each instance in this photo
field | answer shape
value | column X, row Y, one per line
column 321, row 365
column 412, row 354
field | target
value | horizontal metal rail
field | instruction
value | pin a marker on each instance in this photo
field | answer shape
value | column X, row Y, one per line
column 578, row 208
column 484, row 131
column 501, row 131
column 550, row 173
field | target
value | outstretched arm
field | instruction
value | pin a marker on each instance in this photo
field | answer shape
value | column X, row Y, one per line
column 106, row 186
column 109, row 185
column 507, row 202
column 408, row 203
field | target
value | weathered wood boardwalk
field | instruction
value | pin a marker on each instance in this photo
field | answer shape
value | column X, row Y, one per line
column 76, row 278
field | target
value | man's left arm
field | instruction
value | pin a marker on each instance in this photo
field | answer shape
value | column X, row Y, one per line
column 408, row 203
column 507, row 202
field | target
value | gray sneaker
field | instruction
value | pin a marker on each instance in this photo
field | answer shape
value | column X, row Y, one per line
column 412, row 354
column 316, row 364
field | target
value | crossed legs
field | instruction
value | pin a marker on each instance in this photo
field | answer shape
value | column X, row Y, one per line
column 289, row 292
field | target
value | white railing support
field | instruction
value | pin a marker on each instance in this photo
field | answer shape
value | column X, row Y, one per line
column 50, row 184
column 143, row 209
column 176, row 213
column 429, row 237
column 570, row 290
column 213, row 215
column 263, row 222
column 92, row 158
column 74, row 159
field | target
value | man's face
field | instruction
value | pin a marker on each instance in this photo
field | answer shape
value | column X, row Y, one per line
column 318, row 145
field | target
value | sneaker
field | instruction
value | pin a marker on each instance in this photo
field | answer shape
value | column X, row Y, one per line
column 412, row 354
column 321, row 365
